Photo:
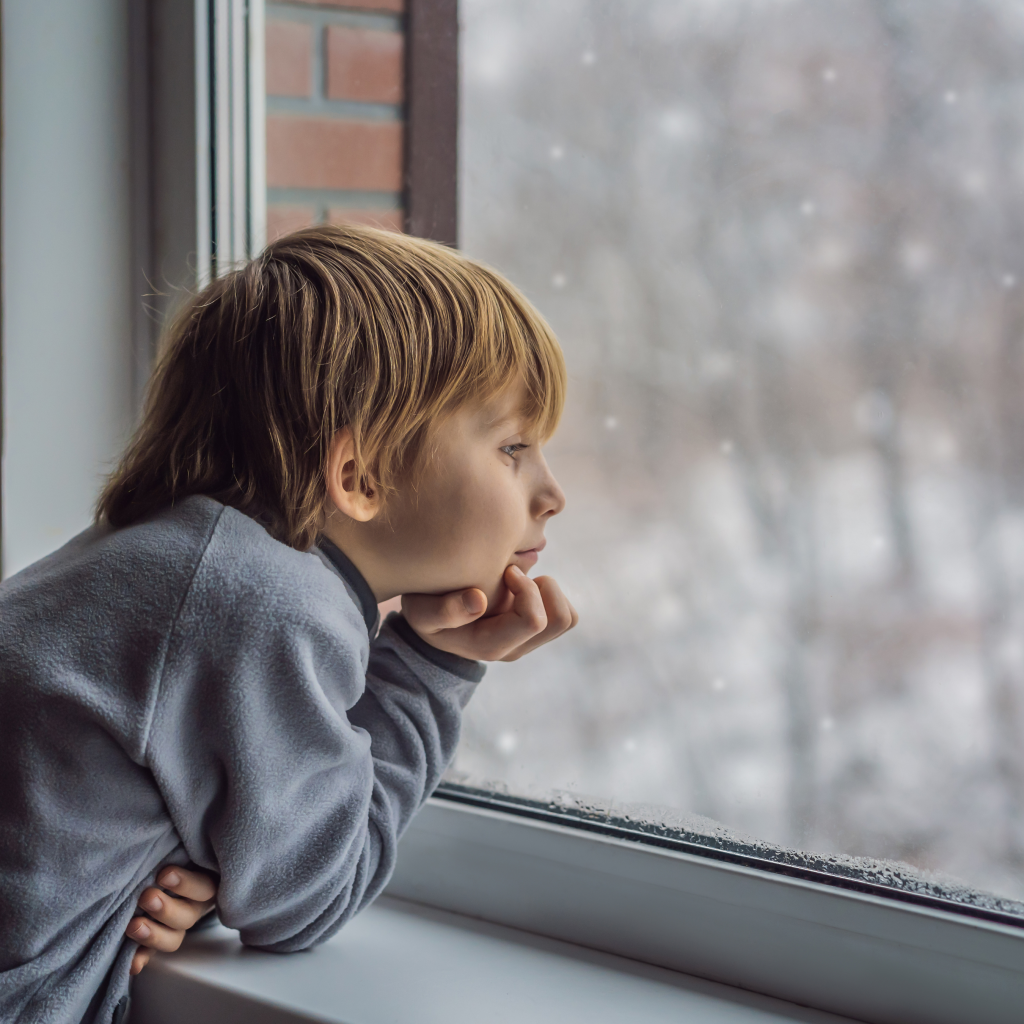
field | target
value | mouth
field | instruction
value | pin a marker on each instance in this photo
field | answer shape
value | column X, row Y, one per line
column 529, row 556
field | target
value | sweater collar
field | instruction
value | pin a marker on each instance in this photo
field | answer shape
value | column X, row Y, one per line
column 355, row 579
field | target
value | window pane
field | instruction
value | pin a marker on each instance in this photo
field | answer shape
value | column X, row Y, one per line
column 782, row 243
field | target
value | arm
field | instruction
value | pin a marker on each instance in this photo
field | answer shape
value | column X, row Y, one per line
column 277, row 775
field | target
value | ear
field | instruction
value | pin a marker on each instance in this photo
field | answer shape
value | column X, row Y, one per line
column 360, row 504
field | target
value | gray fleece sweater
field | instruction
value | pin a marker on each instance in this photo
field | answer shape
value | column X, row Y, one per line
column 188, row 689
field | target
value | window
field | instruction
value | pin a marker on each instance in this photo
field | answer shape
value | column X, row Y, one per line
column 781, row 245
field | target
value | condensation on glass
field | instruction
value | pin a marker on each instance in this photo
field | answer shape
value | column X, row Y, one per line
column 783, row 246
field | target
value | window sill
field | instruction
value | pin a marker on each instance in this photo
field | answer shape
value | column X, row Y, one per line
column 858, row 955
column 542, row 922
column 399, row 962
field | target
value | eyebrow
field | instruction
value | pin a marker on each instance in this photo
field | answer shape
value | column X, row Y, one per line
column 500, row 420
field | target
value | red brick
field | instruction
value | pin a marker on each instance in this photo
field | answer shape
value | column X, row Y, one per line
column 306, row 152
column 389, row 220
column 364, row 65
column 283, row 220
column 356, row 5
column 289, row 58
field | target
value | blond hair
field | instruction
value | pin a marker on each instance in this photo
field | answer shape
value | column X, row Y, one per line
column 328, row 327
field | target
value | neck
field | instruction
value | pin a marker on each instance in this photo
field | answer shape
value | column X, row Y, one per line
column 351, row 538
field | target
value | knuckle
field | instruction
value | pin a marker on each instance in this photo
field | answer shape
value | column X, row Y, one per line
column 562, row 620
column 537, row 621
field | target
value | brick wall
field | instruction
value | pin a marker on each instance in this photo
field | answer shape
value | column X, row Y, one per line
column 334, row 113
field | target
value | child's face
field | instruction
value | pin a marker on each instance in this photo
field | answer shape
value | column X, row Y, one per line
column 479, row 502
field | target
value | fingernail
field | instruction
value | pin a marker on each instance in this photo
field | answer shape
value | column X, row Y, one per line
column 171, row 878
column 473, row 602
column 153, row 902
column 142, row 931
column 517, row 570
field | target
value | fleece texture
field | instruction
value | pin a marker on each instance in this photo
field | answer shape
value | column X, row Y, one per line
column 190, row 690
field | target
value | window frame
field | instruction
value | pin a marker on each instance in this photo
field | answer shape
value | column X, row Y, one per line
column 432, row 119
column 871, row 957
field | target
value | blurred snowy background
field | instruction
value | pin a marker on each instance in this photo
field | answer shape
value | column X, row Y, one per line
column 782, row 242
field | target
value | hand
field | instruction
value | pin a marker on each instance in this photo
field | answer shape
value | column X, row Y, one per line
column 531, row 613
column 170, row 916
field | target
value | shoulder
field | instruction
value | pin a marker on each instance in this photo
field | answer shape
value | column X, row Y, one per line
column 155, row 553
column 262, row 624
column 90, row 621
column 249, row 581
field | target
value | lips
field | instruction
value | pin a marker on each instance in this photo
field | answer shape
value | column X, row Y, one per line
column 529, row 556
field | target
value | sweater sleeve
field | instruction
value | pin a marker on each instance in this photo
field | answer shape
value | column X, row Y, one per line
column 291, row 757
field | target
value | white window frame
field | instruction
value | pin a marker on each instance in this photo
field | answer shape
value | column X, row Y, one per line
column 200, row 151
column 869, row 957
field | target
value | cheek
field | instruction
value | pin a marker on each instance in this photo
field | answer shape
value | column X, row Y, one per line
column 475, row 523
column 484, row 516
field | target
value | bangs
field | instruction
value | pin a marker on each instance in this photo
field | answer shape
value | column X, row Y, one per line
column 515, row 344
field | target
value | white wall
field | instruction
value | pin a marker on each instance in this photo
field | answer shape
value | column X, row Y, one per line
column 67, row 262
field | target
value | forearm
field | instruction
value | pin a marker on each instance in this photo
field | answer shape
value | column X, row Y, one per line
column 412, row 709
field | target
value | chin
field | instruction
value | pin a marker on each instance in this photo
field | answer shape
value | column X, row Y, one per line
column 496, row 593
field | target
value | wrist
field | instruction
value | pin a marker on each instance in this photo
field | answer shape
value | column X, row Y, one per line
column 457, row 665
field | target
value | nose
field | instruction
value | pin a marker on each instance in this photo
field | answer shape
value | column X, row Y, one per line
column 548, row 498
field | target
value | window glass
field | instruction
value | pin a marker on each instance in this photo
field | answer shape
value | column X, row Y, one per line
column 782, row 243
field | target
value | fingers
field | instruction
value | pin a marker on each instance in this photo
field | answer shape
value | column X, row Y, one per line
column 430, row 613
column 492, row 638
column 140, row 959
column 175, row 913
column 560, row 614
column 154, row 935
column 528, row 614
column 527, row 601
column 190, row 895
column 192, row 885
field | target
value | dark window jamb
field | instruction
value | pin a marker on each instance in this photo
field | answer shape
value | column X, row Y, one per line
column 432, row 119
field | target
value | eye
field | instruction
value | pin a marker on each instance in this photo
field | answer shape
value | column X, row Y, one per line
column 512, row 450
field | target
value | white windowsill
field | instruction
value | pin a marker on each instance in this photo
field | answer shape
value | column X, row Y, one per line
column 491, row 916
column 400, row 962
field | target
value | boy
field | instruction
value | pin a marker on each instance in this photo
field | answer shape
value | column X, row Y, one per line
column 192, row 680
